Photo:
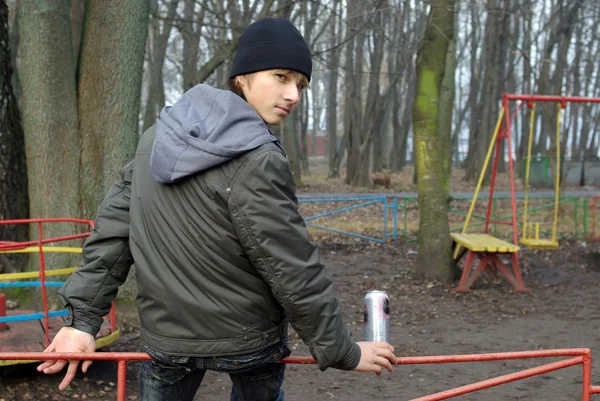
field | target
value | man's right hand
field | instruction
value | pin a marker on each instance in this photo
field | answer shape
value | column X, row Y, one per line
column 374, row 356
column 68, row 339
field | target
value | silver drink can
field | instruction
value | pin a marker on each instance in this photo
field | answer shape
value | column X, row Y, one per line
column 377, row 316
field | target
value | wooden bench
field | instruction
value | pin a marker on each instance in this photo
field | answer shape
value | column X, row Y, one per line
column 486, row 247
column 484, row 243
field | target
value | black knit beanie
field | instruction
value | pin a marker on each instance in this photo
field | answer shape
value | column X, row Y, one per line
column 269, row 44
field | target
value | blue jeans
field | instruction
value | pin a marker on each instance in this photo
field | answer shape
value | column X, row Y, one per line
column 256, row 377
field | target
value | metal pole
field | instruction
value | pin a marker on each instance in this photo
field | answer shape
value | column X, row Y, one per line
column 587, row 376
column 395, row 218
column 575, row 217
column 405, row 220
column 3, row 326
column 121, row 380
column 585, row 217
column 385, row 206
column 43, row 283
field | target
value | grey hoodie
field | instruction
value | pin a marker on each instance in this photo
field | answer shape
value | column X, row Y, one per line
column 204, row 128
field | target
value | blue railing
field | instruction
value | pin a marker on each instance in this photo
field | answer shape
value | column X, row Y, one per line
column 365, row 202
column 394, row 202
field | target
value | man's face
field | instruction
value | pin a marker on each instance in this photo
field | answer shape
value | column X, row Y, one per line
column 274, row 94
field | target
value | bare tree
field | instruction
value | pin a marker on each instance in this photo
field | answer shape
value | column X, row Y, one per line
column 109, row 103
column 14, row 202
column 49, row 104
column 158, row 38
column 550, row 82
column 364, row 119
column 190, row 31
column 487, row 110
column 334, row 153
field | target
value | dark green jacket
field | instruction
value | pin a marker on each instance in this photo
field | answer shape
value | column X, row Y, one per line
column 222, row 256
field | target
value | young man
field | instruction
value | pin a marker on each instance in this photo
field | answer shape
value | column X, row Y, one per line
column 207, row 210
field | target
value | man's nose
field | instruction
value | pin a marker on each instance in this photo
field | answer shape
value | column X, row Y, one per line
column 292, row 93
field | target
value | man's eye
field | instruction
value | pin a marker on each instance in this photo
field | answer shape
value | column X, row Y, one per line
column 280, row 76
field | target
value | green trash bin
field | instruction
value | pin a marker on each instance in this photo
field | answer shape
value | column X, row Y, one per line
column 539, row 171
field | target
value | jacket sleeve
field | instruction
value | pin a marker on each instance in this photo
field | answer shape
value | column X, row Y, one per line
column 89, row 291
column 265, row 215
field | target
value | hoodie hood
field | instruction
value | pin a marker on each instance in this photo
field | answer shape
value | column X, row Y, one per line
column 204, row 128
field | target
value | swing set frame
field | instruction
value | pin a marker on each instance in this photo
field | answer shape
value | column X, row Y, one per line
column 486, row 247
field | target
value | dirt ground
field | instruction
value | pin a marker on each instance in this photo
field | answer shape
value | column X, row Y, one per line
column 561, row 311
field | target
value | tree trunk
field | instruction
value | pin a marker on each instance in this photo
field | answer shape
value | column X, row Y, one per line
column 302, row 128
column 364, row 130
column 527, row 72
column 290, row 143
column 333, row 153
column 316, row 114
column 49, row 111
column 586, row 126
column 435, row 257
column 14, row 202
column 77, row 14
column 446, row 108
column 559, row 35
column 13, row 32
column 474, row 97
column 191, row 28
column 407, row 110
column 395, row 155
column 487, row 111
column 504, row 68
column 159, row 38
column 575, row 108
column 354, row 110
column 114, row 40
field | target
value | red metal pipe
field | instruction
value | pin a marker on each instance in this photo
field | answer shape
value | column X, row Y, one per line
column 112, row 317
column 3, row 326
column 556, row 99
column 502, row 379
column 512, row 172
column 81, row 356
column 20, row 245
column 121, row 379
column 500, row 356
column 414, row 360
column 43, row 284
column 504, row 133
column 587, row 376
column 578, row 355
column 48, row 220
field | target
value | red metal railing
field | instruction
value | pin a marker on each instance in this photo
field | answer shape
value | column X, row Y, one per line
column 555, row 99
column 12, row 246
column 575, row 356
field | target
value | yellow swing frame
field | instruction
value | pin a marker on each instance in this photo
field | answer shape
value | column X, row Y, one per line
column 531, row 231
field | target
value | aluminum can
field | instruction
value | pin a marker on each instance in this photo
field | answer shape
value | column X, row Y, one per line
column 377, row 316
